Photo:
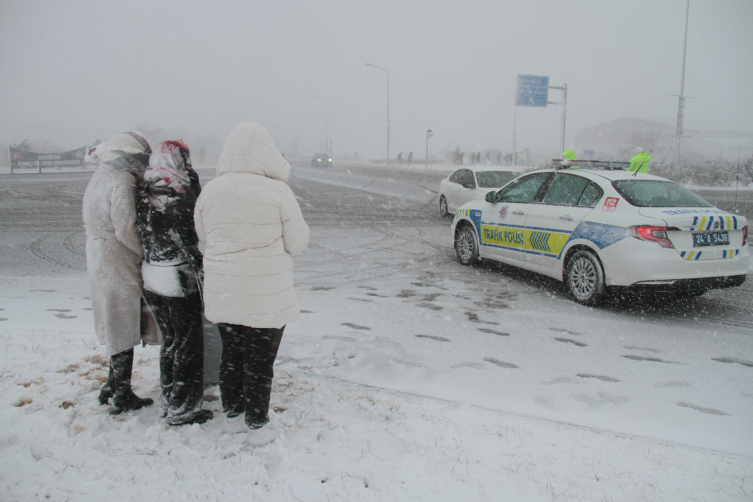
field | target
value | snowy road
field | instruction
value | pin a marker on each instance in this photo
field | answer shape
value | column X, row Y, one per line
column 386, row 305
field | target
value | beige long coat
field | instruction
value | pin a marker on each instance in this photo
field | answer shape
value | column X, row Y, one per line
column 251, row 224
column 113, row 257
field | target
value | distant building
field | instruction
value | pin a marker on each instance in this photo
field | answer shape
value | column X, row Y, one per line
column 617, row 139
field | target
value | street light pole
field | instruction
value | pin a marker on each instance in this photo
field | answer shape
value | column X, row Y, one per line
column 388, row 108
column 326, row 133
column 681, row 104
column 429, row 134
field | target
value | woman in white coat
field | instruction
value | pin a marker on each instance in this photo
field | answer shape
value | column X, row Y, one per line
column 113, row 259
column 251, row 224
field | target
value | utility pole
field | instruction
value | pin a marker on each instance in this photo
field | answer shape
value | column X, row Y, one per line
column 429, row 134
column 681, row 104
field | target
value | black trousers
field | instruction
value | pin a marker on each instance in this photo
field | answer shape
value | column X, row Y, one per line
column 246, row 372
column 181, row 360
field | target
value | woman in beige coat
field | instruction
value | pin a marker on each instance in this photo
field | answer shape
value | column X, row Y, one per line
column 251, row 224
column 113, row 259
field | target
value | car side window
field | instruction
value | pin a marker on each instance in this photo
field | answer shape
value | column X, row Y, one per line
column 524, row 189
column 591, row 196
column 456, row 176
column 565, row 190
column 467, row 179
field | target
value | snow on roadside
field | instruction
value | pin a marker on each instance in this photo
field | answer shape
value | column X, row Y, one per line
column 339, row 441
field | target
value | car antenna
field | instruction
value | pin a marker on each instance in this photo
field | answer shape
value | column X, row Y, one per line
column 636, row 171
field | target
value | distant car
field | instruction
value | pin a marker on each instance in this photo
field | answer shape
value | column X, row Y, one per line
column 471, row 183
column 321, row 160
column 597, row 230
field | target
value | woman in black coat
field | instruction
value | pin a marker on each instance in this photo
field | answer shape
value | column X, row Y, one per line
column 172, row 272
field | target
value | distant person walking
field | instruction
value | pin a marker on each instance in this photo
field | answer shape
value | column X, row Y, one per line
column 113, row 259
column 400, row 158
column 640, row 161
column 251, row 224
column 171, row 270
column 410, row 159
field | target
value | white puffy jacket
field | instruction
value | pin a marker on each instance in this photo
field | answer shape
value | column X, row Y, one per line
column 251, row 224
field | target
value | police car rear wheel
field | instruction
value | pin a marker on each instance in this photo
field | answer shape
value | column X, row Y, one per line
column 465, row 246
column 585, row 278
column 443, row 206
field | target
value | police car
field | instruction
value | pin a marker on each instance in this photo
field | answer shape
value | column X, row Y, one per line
column 605, row 228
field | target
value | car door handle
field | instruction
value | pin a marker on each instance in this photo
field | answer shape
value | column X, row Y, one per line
column 566, row 217
column 518, row 212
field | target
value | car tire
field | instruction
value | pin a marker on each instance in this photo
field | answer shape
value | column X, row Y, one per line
column 584, row 277
column 443, row 206
column 465, row 245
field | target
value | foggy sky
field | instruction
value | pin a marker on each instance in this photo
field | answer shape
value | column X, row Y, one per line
column 74, row 71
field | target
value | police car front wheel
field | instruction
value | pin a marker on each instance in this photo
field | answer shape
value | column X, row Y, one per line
column 465, row 246
column 585, row 278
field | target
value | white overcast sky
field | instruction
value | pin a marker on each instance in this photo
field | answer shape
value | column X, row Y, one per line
column 72, row 71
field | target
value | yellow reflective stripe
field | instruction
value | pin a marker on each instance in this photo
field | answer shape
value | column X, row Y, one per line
column 539, row 241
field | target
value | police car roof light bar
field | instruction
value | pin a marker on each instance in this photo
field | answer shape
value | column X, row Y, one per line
column 607, row 165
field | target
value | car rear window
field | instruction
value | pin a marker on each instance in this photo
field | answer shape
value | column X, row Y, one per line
column 565, row 190
column 495, row 179
column 590, row 196
column 652, row 193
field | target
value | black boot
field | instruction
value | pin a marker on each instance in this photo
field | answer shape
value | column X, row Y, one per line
column 107, row 390
column 195, row 417
column 123, row 398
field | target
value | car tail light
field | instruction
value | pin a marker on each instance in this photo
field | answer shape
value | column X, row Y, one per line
column 745, row 235
column 654, row 234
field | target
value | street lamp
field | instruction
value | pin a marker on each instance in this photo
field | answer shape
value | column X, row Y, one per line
column 388, row 108
column 429, row 134
column 326, row 137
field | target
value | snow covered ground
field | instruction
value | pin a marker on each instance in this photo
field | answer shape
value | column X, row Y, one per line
column 408, row 377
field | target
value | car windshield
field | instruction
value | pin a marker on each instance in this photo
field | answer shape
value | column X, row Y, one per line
column 495, row 179
column 652, row 193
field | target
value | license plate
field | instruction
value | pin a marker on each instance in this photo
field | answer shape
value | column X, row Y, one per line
column 711, row 239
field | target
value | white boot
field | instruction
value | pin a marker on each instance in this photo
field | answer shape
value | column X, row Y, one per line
column 236, row 424
column 263, row 435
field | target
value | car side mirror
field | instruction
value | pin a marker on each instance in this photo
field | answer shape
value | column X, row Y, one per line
column 468, row 185
column 491, row 197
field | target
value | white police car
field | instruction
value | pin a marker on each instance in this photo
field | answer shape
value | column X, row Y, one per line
column 607, row 228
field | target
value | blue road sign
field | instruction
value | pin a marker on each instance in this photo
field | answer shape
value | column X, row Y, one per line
column 533, row 90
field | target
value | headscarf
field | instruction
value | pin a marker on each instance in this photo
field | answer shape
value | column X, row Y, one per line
column 128, row 151
column 168, row 167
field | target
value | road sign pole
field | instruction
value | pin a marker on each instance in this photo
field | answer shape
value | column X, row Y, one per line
column 564, row 114
column 562, row 88
column 514, row 125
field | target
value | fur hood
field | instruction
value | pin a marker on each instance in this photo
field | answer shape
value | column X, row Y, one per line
column 128, row 151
